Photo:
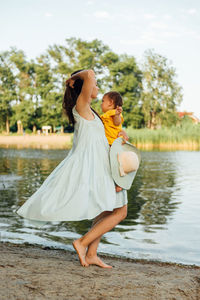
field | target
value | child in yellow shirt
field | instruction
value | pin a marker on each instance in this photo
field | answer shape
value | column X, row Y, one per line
column 112, row 117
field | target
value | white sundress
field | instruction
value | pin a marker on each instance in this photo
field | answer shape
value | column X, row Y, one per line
column 81, row 186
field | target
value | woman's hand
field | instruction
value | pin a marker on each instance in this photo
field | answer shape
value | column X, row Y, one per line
column 124, row 136
column 70, row 82
column 84, row 74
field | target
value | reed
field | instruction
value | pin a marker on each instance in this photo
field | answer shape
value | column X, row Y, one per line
column 185, row 137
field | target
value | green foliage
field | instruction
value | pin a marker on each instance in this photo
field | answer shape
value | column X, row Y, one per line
column 7, row 90
column 52, row 110
column 24, row 107
column 186, row 121
column 31, row 91
column 161, row 94
column 28, row 131
column 126, row 78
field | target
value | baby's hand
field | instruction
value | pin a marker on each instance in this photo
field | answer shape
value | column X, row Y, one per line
column 118, row 110
column 124, row 135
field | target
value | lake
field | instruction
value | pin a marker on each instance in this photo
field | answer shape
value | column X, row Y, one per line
column 163, row 221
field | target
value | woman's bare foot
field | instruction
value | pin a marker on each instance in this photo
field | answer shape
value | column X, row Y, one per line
column 81, row 251
column 95, row 260
column 118, row 188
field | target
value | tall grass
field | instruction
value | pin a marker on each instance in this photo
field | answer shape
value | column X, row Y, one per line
column 177, row 137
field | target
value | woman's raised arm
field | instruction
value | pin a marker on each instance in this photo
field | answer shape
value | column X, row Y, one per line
column 85, row 97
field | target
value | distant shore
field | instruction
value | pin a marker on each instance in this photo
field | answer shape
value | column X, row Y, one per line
column 35, row 272
column 64, row 141
column 190, row 146
column 50, row 141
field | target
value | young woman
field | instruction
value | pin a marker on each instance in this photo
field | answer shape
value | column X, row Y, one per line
column 81, row 186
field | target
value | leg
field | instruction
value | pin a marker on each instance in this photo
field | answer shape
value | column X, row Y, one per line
column 91, row 255
column 94, row 244
column 103, row 226
column 92, row 247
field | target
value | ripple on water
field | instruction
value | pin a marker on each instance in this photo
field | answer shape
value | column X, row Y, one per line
column 163, row 206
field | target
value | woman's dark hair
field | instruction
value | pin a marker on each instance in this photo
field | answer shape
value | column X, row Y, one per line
column 71, row 96
column 116, row 97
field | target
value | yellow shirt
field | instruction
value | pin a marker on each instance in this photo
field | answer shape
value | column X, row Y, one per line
column 111, row 130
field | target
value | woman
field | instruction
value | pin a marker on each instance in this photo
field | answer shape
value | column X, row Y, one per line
column 81, row 186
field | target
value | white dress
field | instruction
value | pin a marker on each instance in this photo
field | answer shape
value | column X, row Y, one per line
column 81, row 186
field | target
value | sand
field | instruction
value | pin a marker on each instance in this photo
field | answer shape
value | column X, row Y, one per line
column 51, row 141
column 33, row 272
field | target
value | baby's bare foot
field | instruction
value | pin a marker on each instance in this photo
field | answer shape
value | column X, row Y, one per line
column 95, row 260
column 118, row 188
column 81, row 251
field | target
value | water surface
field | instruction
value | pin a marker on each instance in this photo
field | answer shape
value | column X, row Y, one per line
column 163, row 220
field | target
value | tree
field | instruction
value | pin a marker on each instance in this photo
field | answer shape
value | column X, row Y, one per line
column 7, row 90
column 126, row 78
column 25, row 106
column 161, row 93
column 31, row 91
column 44, row 87
column 77, row 54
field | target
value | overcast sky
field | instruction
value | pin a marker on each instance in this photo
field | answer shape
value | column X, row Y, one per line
column 171, row 27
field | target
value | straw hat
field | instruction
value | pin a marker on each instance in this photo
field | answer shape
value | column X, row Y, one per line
column 125, row 160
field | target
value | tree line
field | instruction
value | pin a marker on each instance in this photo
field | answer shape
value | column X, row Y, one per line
column 31, row 90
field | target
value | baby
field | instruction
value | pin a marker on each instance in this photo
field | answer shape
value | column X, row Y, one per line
column 112, row 117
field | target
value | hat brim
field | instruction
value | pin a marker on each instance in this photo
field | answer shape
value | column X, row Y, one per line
column 117, row 147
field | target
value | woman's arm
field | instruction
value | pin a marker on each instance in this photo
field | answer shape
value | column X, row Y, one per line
column 84, row 99
column 88, row 77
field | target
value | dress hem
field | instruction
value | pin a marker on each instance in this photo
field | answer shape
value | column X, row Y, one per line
column 70, row 220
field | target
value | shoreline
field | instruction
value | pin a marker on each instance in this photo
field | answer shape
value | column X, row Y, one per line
column 64, row 141
column 38, row 272
column 50, row 141
column 114, row 257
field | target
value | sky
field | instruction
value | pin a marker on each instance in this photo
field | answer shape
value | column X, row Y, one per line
column 170, row 27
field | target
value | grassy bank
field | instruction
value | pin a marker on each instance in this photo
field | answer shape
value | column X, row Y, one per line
column 175, row 138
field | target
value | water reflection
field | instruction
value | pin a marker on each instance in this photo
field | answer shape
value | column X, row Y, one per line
column 152, row 227
column 159, row 185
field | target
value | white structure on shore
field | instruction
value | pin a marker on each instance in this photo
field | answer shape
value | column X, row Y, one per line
column 46, row 129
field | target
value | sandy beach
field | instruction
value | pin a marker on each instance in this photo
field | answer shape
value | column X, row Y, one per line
column 33, row 272
column 51, row 141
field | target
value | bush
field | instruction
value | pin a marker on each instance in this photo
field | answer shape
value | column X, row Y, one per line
column 28, row 131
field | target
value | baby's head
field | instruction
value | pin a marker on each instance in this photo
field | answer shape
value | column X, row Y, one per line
column 111, row 100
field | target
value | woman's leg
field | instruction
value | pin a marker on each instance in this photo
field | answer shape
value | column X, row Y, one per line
column 103, row 226
column 94, row 244
column 92, row 247
column 91, row 255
